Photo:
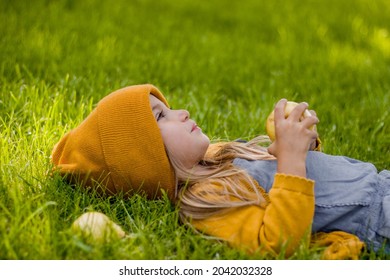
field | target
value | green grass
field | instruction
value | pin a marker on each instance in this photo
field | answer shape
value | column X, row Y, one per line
column 227, row 62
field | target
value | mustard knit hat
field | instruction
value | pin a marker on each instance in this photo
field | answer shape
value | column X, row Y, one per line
column 118, row 148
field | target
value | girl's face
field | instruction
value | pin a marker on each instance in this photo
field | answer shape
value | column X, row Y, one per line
column 182, row 137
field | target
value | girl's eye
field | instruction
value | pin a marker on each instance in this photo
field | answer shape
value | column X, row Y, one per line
column 160, row 115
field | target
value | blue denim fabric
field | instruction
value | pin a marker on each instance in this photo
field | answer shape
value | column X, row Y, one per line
column 350, row 195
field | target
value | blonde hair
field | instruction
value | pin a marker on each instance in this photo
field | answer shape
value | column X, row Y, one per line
column 229, row 185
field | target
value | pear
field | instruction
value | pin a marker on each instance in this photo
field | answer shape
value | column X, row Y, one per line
column 97, row 227
column 270, row 124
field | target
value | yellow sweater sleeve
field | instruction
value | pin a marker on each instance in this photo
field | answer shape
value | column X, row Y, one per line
column 280, row 226
column 338, row 245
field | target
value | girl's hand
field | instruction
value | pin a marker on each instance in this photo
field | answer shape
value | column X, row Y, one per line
column 293, row 138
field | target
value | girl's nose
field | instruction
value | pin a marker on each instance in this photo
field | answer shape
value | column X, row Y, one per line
column 184, row 115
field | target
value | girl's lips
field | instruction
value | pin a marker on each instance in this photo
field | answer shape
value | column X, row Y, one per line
column 194, row 127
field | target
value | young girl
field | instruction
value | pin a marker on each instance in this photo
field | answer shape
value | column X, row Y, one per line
column 258, row 198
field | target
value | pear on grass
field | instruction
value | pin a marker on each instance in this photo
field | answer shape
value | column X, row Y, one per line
column 97, row 227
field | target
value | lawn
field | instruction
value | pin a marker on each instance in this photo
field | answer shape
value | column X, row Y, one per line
column 227, row 62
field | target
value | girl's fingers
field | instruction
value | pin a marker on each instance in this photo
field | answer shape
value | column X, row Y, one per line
column 309, row 121
column 297, row 112
column 279, row 109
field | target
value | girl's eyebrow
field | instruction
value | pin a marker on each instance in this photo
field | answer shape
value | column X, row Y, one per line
column 155, row 106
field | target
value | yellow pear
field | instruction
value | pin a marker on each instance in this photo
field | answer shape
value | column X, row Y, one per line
column 270, row 124
column 97, row 227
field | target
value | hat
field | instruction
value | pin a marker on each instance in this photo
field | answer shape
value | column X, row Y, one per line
column 118, row 148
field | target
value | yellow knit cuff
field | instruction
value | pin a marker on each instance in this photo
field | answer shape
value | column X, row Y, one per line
column 294, row 183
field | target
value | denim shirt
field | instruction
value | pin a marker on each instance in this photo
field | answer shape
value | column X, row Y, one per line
column 344, row 188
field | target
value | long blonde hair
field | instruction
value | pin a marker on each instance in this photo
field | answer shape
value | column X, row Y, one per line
column 228, row 186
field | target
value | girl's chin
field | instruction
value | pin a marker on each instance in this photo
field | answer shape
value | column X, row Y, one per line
column 206, row 143
column 207, row 139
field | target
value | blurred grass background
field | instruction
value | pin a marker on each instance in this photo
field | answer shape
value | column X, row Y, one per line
column 227, row 62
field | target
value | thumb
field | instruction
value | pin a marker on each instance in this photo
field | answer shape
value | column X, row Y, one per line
column 272, row 149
